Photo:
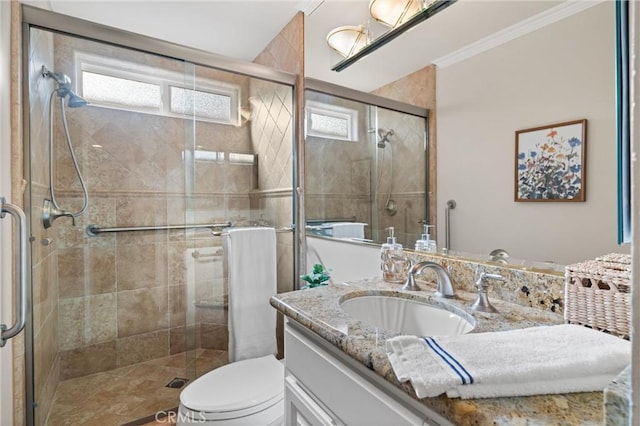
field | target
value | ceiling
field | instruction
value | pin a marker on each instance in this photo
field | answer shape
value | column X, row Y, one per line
column 242, row 28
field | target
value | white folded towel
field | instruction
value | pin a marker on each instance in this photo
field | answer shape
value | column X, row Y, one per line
column 252, row 281
column 538, row 360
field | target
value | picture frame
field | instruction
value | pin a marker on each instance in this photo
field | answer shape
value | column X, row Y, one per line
column 550, row 163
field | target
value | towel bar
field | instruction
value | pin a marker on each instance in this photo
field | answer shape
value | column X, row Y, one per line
column 94, row 230
column 224, row 234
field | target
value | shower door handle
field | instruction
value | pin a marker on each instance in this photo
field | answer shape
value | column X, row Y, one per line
column 20, row 256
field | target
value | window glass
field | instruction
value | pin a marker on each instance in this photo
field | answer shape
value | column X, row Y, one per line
column 331, row 121
column 113, row 90
column 202, row 104
column 112, row 83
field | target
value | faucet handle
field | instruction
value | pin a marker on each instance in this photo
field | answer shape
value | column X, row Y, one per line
column 485, row 276
column 482, row 303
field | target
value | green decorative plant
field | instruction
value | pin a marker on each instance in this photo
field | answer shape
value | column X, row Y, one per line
column 317, row 277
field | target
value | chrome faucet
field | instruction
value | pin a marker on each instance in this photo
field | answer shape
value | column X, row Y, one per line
column 444, row 286
column 482, row 303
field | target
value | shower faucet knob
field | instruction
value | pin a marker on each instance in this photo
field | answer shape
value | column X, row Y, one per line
column 50, row 213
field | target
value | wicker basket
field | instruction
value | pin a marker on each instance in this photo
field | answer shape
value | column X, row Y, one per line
column 597, row 294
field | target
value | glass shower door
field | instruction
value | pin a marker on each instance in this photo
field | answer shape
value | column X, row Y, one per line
column 108, row 339
column 129, row 298
column 240, row 173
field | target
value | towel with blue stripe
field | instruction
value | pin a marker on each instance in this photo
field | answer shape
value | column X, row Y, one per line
column 531, row 361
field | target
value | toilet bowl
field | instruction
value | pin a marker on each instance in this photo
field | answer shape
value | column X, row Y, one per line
column 247, row 392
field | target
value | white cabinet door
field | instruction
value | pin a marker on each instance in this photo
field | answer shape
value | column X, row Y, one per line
column 301, row 409
column 347, row 395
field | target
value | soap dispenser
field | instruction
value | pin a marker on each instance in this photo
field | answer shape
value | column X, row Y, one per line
column 425, row 243
column 394, row 263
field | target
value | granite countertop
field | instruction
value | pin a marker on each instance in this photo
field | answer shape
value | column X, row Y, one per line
column 319, row 310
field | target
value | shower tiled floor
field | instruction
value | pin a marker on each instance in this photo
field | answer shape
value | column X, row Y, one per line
column 126, row 394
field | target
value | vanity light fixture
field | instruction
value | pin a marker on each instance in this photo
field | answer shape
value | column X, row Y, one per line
column 404, row 22
column 394, row 12
column 348, row 39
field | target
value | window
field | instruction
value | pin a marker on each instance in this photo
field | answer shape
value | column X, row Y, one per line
column 330, row 121
column 118, row 84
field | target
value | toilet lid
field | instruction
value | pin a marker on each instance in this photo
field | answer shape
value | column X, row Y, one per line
column 249, row 386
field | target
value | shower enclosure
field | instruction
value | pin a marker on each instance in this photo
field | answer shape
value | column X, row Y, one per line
column 361, row 164
column 128, row 299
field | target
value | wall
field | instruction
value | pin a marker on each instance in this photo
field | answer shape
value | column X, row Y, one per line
column 559, row 73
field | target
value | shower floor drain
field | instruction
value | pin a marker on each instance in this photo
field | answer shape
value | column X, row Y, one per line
column 177, row 383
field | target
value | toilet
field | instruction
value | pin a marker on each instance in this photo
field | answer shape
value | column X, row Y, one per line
column 248, row 392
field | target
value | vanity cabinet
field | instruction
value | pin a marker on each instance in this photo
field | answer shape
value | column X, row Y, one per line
column 324, row 387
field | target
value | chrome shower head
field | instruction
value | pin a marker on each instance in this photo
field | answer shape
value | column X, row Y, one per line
column 384, row 137
column 76, row 101
column 64, row 88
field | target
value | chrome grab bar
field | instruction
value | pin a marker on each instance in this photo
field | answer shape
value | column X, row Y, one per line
column 20, row 258
column 94, row 230
column 451, row 204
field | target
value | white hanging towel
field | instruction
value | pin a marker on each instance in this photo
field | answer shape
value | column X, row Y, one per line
column 251, row 257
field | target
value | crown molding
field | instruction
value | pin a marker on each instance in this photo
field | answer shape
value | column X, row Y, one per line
column 548, row 17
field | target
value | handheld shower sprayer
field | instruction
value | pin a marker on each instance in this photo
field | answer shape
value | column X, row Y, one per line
column 51, row 209
column 390, row 206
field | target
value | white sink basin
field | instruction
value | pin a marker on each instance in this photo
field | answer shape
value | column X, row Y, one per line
column 407, row 316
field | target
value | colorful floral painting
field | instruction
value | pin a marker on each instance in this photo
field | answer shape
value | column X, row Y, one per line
column 550, row 162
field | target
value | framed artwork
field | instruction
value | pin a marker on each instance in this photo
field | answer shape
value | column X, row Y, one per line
column 551, row 162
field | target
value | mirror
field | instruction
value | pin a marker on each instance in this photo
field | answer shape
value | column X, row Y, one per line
column 562, row 71
column 365, row 169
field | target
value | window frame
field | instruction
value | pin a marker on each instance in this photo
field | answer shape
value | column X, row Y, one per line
column 164, row 79
column 334, row 111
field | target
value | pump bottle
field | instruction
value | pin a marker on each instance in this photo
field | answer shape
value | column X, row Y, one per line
column 425, row 243
column 394, row 264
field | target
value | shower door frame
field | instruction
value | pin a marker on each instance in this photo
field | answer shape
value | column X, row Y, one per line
column 54, row 22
